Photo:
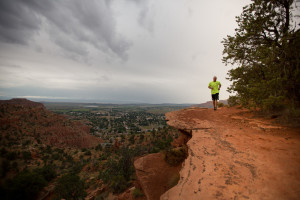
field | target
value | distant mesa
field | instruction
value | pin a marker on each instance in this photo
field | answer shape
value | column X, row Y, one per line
column 22, row 118
column 21, row 101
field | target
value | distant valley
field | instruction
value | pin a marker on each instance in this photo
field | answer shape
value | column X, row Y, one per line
column 55, row 142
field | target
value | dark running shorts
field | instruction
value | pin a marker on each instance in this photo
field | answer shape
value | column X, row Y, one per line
column 215, row 96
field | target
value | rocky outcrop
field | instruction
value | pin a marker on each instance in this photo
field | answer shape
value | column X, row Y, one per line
column 232, row 156
column 155, row 176
column 21, row 118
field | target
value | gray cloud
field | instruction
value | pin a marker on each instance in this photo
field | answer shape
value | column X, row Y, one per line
column 90, row 24
column 75, row 49
column 17, row 22
column 144, row 19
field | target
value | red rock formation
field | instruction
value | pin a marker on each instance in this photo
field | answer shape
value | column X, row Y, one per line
column 155, row 175
column 235, row 157
column 24, row 117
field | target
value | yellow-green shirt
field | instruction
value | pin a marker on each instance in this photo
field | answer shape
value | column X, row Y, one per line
column 214, row 86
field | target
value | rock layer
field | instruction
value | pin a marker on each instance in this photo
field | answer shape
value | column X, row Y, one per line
column 235, row 157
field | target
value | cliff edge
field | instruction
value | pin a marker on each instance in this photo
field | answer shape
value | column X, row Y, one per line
column 233, row 155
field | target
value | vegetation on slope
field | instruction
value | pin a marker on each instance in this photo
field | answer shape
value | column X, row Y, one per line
column 30, row 167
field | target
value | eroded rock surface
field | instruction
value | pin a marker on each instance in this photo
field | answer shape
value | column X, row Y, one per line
column 235, row 157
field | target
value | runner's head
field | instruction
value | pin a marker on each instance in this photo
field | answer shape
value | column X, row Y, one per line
column 215, row 78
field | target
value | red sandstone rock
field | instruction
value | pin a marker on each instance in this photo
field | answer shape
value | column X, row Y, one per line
column 155, row 175
column 235, row 157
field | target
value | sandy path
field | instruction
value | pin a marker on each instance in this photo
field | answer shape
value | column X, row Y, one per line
column 235, row 156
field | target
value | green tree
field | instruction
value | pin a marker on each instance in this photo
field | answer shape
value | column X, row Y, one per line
column 126, row 162
column 118, row 170
column 88, row 153
column 142, row 138
column 70, row 186
column 48, row 172
column 265, row 51
column 26, row 155
column 98, row 147
column 131, row 139
column 25, row 185
column 5, row 166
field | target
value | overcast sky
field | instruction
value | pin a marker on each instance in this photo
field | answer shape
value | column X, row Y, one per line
column 141, row 51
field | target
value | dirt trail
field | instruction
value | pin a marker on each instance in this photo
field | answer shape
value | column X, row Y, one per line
column 235, row 156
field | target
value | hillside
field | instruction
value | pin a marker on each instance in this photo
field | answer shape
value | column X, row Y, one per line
column 85, row 153
column 23, row 120
column 232, row 155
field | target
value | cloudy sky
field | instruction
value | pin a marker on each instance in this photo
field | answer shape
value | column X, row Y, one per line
column 141, row 51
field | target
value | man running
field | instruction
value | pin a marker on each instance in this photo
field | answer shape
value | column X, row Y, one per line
column 215, row 86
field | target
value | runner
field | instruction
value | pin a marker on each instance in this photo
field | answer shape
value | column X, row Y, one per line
column 215, row 86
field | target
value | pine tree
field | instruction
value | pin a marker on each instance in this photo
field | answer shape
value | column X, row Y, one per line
column 266, row 56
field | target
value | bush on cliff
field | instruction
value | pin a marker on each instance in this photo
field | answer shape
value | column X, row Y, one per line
column 137, row 193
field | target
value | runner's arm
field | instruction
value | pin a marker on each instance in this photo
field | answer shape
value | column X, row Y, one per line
column 209, row 86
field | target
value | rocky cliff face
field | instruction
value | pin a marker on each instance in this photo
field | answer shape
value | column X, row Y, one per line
column 155, row 176
column 20, row 118
column 235, row 156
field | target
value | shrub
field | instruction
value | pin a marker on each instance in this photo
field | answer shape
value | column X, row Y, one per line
column 56, row 156
column 11, row 155
column 220, row 104
column 233, row 101
column 118, row 171
column 26, row 155
column 88, row 153
column 118, row 183
column 175, row 156
column 48, row 150
column 25, row 185
column 14, row 165
column 48, row 172
column 3, row 151
column 137, row 193
column 70, row 186
column 76, row 167
column 5, row 166
column 273, row 103
column 26, row 143
column 98, row 147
